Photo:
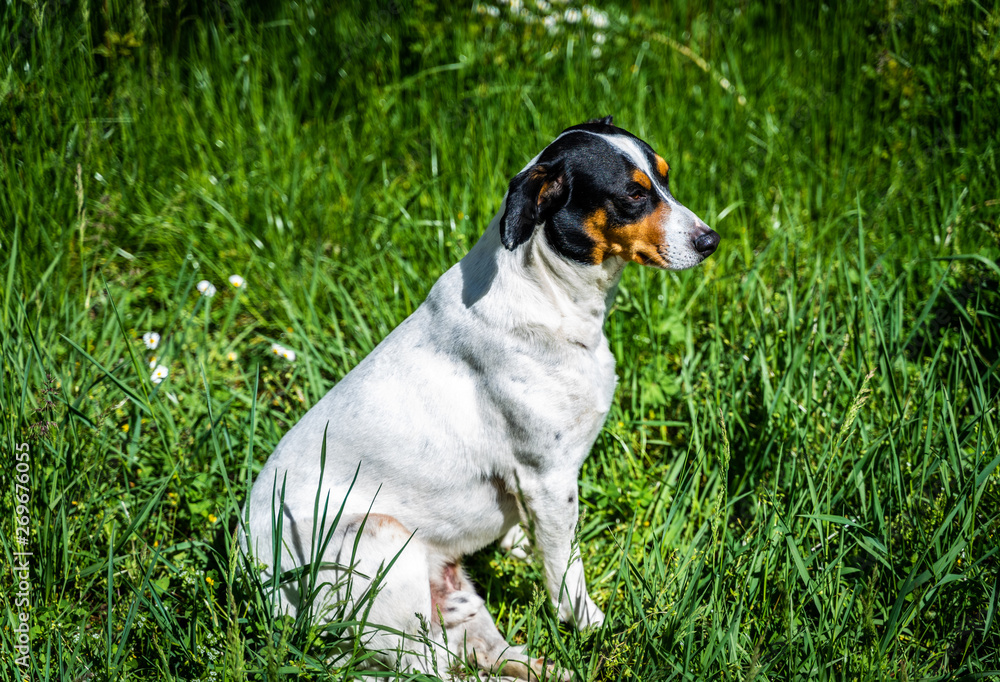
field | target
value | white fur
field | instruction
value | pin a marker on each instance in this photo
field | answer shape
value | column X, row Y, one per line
column 474, row 415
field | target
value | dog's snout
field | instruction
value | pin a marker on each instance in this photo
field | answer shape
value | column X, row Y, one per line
column 706, row 243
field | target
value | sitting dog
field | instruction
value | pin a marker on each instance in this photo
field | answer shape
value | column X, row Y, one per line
column 476, row 413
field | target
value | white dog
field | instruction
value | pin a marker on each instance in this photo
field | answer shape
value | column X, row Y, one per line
column 475, row 414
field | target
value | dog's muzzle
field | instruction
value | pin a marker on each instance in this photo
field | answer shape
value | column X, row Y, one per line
column 705, row 244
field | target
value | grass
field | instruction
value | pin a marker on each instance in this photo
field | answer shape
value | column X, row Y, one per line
column 799, row 477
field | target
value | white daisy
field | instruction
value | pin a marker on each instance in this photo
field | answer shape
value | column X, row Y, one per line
column 286, row 353
column 151, row 339
column 237, row 281
column 206, row 288
column 596, row 17
column 159, row 374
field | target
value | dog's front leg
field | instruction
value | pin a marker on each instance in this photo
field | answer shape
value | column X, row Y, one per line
column 551, row 505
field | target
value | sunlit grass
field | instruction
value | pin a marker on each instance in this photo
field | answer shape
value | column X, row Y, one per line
column 799, row 476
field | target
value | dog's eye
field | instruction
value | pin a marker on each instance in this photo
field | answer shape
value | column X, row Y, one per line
column 636, row 196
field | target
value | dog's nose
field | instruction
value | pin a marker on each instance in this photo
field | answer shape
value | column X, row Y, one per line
column 706, row 243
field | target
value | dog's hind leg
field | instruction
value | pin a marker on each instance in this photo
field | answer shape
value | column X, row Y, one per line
column 471, row 634
column 387, row 585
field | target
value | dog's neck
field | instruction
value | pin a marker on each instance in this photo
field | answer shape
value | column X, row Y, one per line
column 535, row 287
column 582, row 291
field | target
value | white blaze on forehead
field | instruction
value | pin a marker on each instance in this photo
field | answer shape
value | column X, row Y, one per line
column 634, row 153
column 631, row 150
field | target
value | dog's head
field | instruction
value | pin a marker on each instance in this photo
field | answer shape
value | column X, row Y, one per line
column 601, row 192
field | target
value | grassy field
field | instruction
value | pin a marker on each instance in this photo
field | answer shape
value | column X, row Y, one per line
column 799, row 477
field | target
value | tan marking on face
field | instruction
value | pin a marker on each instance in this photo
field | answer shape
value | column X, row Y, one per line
column 638, row 242
column 594, row 226
column 662, row 167
column 642, row 179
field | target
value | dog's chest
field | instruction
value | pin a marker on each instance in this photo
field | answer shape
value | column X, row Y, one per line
column 542, row 388
column 550, row 403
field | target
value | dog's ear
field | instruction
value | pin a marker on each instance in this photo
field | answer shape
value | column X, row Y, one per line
column 533, row 196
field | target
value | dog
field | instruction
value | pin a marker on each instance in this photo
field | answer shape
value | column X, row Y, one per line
column 474, row 416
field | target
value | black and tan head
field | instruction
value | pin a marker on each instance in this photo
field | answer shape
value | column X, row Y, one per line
column 600, row 192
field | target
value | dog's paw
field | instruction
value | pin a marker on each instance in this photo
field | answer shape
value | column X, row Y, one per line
column 518, row 665
column 459, row 607
column 515, row 542
column 550, row 671
column 584, row 614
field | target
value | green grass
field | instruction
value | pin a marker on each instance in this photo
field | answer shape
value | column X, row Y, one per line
column 800, row 476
